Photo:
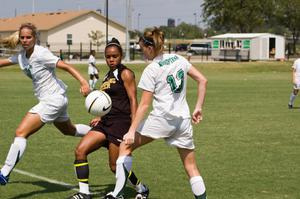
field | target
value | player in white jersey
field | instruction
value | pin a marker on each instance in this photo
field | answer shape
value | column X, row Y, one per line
column 93, row 70
column 296, row 82
column 164, row 82
column 39, row 64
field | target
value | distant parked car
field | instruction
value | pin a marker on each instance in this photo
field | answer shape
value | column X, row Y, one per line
column 181, row 47
column 200, row 48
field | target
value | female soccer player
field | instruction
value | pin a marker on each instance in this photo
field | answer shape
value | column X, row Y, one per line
column 39, row 64
column 93, row 70
column 296, row 82
column 119, row 84
column 164, row 81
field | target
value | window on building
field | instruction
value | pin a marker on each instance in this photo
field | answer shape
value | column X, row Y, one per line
column 230, row 44
column 222, row 44
column 238, row 44
column 69, row 39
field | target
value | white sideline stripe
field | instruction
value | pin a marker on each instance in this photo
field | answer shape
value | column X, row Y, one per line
column 48, row 180
column 45, row 179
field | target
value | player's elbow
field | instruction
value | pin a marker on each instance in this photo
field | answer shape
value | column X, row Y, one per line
column 204, row 81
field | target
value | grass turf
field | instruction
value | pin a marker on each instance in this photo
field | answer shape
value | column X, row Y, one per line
column 248, row 145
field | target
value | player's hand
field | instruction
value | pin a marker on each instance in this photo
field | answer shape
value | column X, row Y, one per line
column 128, row 138
column 197, row 116
column 85, row 89
column 95, row 121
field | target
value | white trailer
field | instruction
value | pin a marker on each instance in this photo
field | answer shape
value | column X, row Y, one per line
column 248, row 46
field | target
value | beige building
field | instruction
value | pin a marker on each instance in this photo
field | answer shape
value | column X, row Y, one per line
column 58, row 29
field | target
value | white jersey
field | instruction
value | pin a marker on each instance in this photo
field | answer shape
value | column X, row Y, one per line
column 40, row 67
column 92, row 61
column 91, row 69
column 166, row 78
column 296, row 67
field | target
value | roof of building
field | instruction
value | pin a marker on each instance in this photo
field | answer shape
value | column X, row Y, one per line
column 242, row 35
column 46, row 21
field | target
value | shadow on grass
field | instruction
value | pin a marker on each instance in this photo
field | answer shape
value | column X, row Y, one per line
column 296, row 107
column 98, row 191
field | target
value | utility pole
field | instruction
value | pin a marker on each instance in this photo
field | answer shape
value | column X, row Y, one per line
column 128, row 24
column 139, row 15
column 33, row 7
column 106, row 5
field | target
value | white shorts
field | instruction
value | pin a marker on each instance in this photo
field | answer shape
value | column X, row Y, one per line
column 52, row 108
column 92, row 70
column 177, row 132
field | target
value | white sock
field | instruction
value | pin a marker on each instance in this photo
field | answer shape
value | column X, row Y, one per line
column 15, row 153
column 123, row 162
column 140, row 188
column 197, row 184
column 94, row 82
column 84, row 188
column 91, row 83
column 292, row 98
column 82, row 130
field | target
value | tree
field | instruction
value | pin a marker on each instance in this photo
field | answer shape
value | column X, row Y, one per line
column 289, row 16
column 134, row 34
column 236, row 15
column 96, row 38
column 182, row 31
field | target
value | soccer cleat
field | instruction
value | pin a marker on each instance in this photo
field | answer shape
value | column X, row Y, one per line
column 144, row 194
column 3, row 179
column 110, row 196
column 203, row 196
column 290, row 106
column 81, row 196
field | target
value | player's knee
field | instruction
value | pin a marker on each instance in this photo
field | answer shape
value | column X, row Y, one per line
column 80, row 153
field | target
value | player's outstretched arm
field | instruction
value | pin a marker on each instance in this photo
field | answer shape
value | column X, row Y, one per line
column 5, row 62
column 84, row 86
column 143, row 106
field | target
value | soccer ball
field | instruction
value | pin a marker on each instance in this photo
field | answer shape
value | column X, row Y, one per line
column 98, row 103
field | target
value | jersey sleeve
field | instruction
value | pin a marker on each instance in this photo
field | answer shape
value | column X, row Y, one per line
column 147, row 81
column 48, row 59
column 185, row 63
column 92, row 60
column 14, row 59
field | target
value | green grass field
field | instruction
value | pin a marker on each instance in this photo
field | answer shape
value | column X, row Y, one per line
column 248, row 145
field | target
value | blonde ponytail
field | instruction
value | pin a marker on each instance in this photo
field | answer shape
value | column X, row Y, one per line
column 11, row 41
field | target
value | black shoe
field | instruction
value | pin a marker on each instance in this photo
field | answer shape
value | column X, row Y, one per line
column 110, row 196
column 144, row 194
column 290, row 106
column 81, row 196
column 203, row 196
column 3, row 179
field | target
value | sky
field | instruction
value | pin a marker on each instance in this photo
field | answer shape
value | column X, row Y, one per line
column 145, row 13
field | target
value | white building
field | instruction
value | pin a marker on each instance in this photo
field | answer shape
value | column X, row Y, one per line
column 248, row 46
column 58, row 29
